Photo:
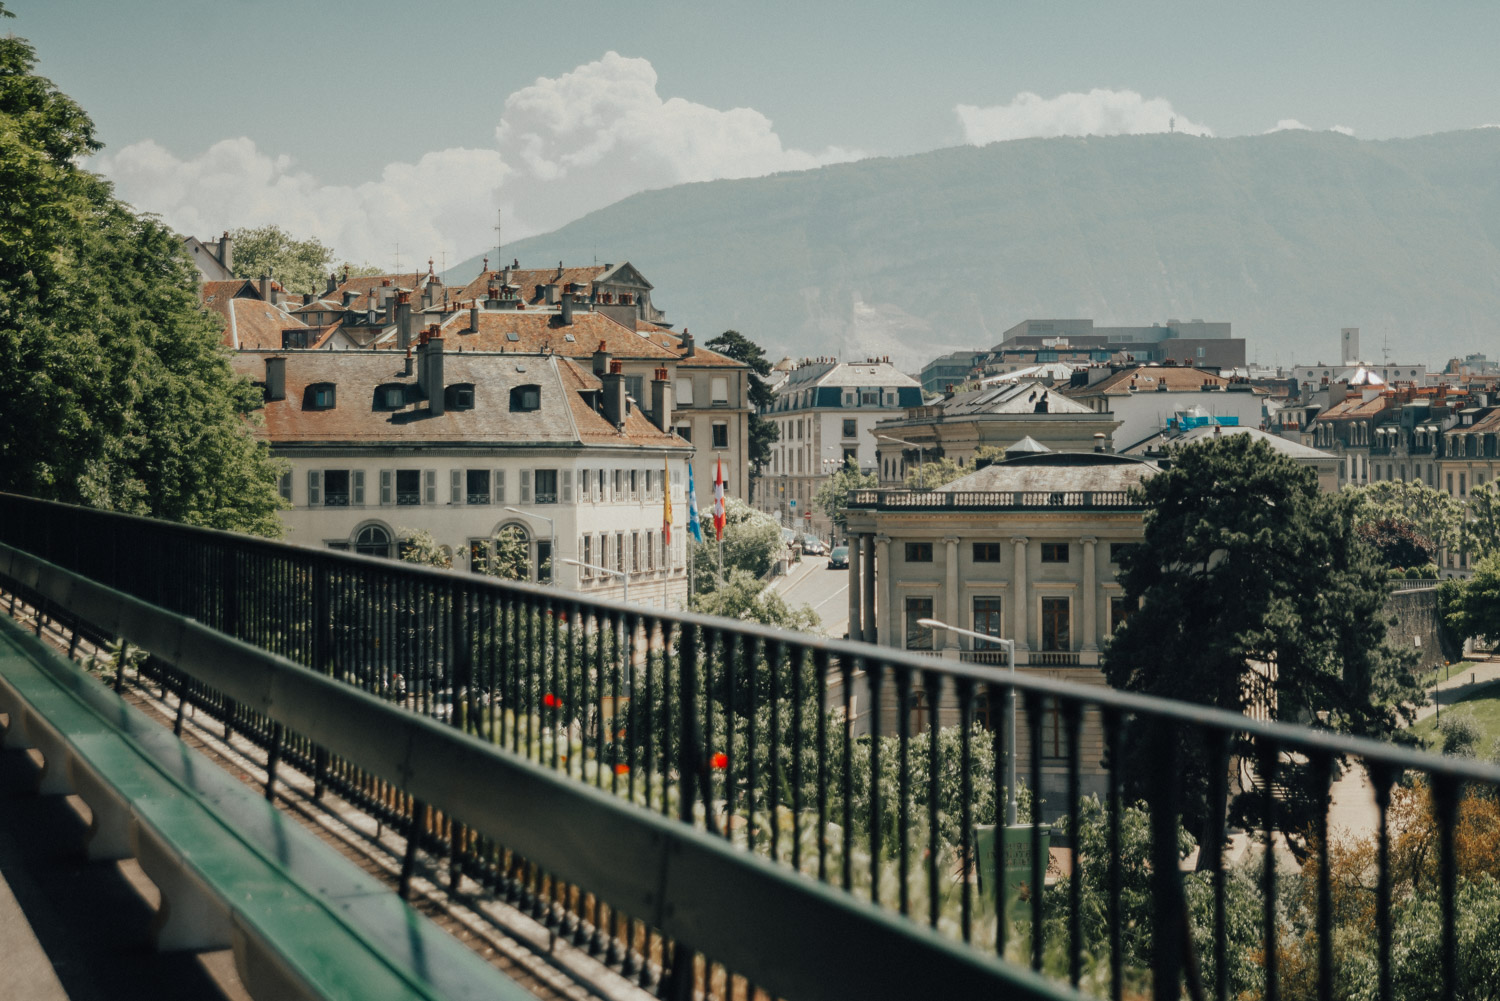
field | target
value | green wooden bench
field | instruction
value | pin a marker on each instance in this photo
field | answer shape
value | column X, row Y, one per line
column 233, row 871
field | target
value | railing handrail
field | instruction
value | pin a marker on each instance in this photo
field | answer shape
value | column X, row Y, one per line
column 1292, row 736
column 683, row 880
column 987, row 499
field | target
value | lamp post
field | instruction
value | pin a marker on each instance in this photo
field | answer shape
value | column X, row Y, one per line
column 624, row 577
column 921, row 449
column 1010, row 731
column 551, row 534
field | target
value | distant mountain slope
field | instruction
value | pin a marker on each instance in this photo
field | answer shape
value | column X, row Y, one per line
column 1289, row 236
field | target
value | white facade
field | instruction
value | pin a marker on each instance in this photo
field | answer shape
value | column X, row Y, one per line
column 1142, row 415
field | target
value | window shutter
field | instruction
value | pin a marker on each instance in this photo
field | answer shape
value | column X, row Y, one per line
column 285, row 486
column 567, row 486
column 359, row 486
column 429, row 481
column 525, row 486
column 499, row 486
column 386, row 476
column 456, row 486
column 314, row 487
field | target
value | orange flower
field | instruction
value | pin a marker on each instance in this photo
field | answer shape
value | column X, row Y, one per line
column 720, row 760
column 551, row 701
column 622, row 769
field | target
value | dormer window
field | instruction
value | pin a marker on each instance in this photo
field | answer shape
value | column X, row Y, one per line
column 524, row 399
column 391, row 396
column 460, row 396
column 320, row 396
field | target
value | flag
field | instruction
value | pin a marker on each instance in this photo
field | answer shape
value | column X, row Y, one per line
column 666, row 508
column 694, row 528
column 719, row 502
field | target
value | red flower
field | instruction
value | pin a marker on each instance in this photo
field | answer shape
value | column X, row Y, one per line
column 551, row 701
column 622, row 769
column 720, row 760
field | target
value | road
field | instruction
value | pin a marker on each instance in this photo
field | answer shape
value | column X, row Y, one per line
column 810, row 582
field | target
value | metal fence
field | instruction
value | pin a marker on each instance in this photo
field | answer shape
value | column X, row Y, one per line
column 884, row 775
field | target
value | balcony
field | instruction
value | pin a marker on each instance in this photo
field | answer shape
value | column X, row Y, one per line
column 1053, row 658
column 1011, row 500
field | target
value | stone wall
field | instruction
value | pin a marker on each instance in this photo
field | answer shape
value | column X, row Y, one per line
column 1415, row 625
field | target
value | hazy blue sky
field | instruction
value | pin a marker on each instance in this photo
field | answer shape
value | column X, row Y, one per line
column 372, row 122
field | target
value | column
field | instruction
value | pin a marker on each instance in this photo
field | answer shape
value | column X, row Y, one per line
column 951, row 611
column 856, row 627
column 878, row 554
column 1020, row 599
column 1090, row 597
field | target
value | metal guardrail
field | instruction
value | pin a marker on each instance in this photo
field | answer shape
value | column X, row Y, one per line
column 989, row 500
column 789, row 753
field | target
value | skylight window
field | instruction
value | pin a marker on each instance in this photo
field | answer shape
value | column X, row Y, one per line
column 512, row 336
column 569, row 338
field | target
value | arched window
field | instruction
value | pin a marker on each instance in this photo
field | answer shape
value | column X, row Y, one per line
column 373, row 540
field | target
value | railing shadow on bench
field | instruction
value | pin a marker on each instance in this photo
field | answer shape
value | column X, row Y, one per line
column 874, row 774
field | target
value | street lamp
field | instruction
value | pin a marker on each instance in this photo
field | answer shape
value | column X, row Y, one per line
column 1010, row 731
column 551, row 533
column 624, row 577
column 902, row 441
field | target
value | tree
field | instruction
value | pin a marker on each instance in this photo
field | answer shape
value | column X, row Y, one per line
column 509, row 556
column 1396, row 542
column 751, row 541
column 934, row 473
column 299, row 265
column 1256, row 593
column 832, row 497
column 114, row 389
column 745, row 597
column 1431, row 514
column 763, row 433
column 1482, row 529
column 421, row 548
column 1472, row 607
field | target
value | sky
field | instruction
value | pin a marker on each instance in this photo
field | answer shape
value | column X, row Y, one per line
column 389, row 128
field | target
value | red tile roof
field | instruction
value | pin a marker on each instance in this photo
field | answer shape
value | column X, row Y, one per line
column 539, row 330
column 527, row 280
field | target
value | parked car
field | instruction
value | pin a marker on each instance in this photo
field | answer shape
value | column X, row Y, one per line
column 813, row 546
column 839, row 558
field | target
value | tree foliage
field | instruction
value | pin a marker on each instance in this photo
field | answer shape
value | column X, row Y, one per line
column 1472, row 607
column 751, row 541
column 1482, row 529
column 746, row 597
column 763, row 433
column 421, row 548
column 114, row 389
column 934, row 473
column 832, row 497
column 1396, row 542
column 300, row 265
column 1431, row 514
column 1257, row 594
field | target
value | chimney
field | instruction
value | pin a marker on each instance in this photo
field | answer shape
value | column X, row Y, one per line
column 1099, row 445
column 567, row 310
column 550, row 291
column 687, row 344
column 559, row 271
column 434, row 372
column 333, row 284
column 661, row 400
column 427, row 296
column 474, row 317
column 226, row 251
column 403, row 320
column 614, row 394
column 601, row 361
column 265, row 286
column 275, row 378
column 407, row 370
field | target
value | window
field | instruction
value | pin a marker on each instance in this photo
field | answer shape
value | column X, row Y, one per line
column 544, row 560
column 477, row 486
column 586, row 555
column 391, row 396
column 720, row 390
column 849, row 429
column 320, row 396
column 525, row 398
column 1463, row 484
column 373, row 540
column 918, row 637
column 620, row 551
column 546, row 486
column 986, row 552
column 1119, row 611
column 284, row 486
column 460, row 396
column 1054, row 552
column 585, row 484
column 851, row 455
column 1450, row 484
column 684, row 431
column 635, row 492
column 634, row 387
column 919, row 552
column 684, row 390
column 1116, row 549
column 335, row 488
column 987, row 619
column 635, row 552
column 721, row 434
column 1055, row 635
column 479, row 551
column 619, row 493
column 408, row 486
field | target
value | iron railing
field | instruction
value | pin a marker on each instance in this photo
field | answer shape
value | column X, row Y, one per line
column 877, row 772
column 1092, row 500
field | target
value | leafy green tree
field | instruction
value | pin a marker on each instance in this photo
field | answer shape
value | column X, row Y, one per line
column 114, row 389
column 509, row 556
column 1472, row 607
column 421, row 548
column 745, row 597
column 832, row 497
column 1482, row 529
column 934, row 473
column 1431, row 514
column 1396, row 542
column 1256, row 594
column 752, row 540
column 299, row 265
column 763, row 433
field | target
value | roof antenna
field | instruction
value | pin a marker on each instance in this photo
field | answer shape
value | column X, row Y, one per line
column 498, row 213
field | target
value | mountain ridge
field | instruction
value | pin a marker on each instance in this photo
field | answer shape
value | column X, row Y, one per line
column 1289, row 236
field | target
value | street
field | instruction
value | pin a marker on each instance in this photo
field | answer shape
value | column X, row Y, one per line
column 810, row 582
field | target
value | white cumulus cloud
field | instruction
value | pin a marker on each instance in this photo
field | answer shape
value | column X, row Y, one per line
column 1291, row 124
column 564, row 146
column 1100, row 112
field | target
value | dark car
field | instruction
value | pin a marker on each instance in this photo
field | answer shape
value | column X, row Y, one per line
column 839, row 558
column 813, row 546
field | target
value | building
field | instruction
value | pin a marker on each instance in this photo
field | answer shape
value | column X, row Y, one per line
column 1354, row 368
column 954, row 369
column 462, row 445
column 1025, row 549
column 824, row 412
column 1144, row 398
column 1195, row 425
column 214, row 259
column 1183, row 342
column 996, row 417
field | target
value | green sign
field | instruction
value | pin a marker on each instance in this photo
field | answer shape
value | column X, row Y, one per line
column 1016, row 863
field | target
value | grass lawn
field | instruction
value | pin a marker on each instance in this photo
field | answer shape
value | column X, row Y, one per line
column 1483, row 703
column 1443, row 673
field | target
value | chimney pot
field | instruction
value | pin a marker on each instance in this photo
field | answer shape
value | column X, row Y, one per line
column 276, row 378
